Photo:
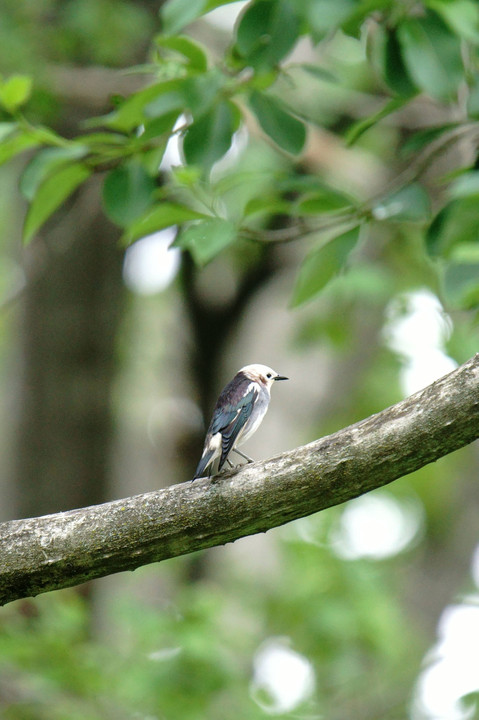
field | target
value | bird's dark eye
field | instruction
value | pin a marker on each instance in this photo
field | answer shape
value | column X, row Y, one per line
column 269, row 375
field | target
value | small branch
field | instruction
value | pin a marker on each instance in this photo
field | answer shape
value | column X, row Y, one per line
column 424, row 160
column 61, row 550
column 301, row 229
column 353, row 216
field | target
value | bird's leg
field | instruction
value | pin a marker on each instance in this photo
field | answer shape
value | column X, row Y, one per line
column 246, row 457
column 229, row 462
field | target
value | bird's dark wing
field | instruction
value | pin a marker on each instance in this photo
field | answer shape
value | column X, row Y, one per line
column 231, row 432
column 233, row 409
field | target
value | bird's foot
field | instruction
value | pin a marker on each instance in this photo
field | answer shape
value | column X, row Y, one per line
column 243, row 455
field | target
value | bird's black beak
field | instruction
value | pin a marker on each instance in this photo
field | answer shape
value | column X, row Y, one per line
column 281, row 377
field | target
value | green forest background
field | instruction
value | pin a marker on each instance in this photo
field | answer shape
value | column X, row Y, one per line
column 315, row 164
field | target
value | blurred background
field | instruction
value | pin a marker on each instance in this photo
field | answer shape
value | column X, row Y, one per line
column 111, row 360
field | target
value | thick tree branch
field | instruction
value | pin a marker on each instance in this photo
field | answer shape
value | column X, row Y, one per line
column 57, row 551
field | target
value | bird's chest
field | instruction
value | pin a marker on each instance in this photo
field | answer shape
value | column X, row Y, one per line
column 257, row 415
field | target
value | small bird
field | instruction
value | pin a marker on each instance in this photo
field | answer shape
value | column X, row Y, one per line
column 238, row 414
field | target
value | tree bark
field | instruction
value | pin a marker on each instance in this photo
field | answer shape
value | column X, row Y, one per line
column 57, row 551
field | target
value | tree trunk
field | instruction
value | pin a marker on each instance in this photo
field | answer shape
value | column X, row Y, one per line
column 70, row 315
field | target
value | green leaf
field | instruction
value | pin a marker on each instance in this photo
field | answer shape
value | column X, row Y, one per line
column 322, row 265
column 353, row 25
column 206, row 239
column 15, row 91
column 359, row 128
column 462, row 16
column 323, row 201
column 465, row 186
column 411, row 204
column 434, row 239
column 51, row 194
column 432, row 54
column 267, row 31
column 267, row 205
column 176, row 14
column 6, row 129
column 457, row 223
column 202, row 91
column 461, row 285
column 299, row 183
column 467, row 252
column 186, row 176
column 95, row 139
column 473, row 98
column 283, row 128
column 166, row 103
column 197, row 94
column 396, row 74
column 162, row 125
column 45, row 162
column 319, row 73
column 127, row 193
column 15, row 143
column 131, row 112
column 325, row 16
column 150, row 158
column 183, row 45
column 212, row 4
column 209, row 137
column 164, row 215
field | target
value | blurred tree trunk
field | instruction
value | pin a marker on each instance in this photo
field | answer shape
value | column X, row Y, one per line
column 70, row 316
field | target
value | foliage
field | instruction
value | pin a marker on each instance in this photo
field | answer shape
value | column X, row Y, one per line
column 412, row 51
column 193, row 654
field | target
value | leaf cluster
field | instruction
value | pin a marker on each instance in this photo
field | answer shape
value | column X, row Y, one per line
column 207, row 103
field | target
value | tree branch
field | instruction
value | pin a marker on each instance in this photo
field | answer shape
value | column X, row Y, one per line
column 61, row 550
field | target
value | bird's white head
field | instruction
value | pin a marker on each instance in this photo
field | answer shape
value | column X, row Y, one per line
column 262, row 374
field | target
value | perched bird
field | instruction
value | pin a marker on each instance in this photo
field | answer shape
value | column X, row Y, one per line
column 238, row 414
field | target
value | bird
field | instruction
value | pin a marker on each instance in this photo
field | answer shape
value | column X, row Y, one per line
column 238, row 413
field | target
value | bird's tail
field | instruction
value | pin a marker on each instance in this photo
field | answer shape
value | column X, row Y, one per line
column 206, row 458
